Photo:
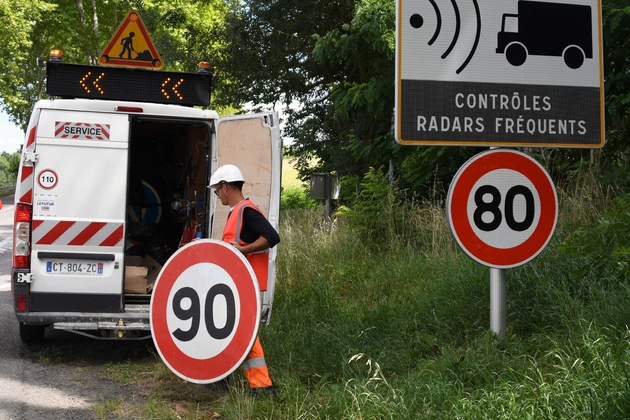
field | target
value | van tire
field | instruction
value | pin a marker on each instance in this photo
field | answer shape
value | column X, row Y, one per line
column 32, row 333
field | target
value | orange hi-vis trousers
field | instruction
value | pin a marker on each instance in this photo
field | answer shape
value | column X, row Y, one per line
column 255, row 367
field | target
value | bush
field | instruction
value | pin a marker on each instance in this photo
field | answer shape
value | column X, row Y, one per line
column 296, row 198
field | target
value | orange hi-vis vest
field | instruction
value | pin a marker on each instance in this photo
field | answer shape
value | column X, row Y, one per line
column 232, row 233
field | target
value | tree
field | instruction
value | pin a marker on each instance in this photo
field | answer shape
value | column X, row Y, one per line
column 269, row 44
column 20, row 83
column 616, row 28
column 9, row 168
column 81, row 29
column 361, row 94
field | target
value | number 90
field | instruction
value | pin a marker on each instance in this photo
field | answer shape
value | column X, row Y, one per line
column 194, row 313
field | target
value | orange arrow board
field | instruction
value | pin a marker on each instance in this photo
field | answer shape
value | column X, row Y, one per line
column 131, row 46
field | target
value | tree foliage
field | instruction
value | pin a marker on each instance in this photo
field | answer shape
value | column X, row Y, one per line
column 20, row 83
column 616, row 28
column 184, row 33
column 9, row 168
column 339, row 67
column 329, row 65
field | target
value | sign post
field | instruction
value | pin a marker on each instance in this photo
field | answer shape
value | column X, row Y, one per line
column 502, row 209
column 325, row 186
column 205, row 311
column 518, row 73
column 498, row 302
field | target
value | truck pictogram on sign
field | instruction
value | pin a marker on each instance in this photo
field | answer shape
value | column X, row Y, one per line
column 551, row 29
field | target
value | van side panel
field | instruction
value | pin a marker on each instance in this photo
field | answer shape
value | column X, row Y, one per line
column 246, row 143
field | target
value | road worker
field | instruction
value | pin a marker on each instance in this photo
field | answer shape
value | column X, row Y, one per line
column 250, row 232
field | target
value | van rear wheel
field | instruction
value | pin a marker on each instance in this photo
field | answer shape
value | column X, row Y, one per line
column 31, row 333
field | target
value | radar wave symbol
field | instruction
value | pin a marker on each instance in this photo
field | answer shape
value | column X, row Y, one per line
column 416, row 21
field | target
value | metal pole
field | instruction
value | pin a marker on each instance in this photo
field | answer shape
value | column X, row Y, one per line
column 498, row 321
column 327, row 194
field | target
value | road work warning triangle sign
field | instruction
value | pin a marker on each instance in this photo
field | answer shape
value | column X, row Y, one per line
column 131, row 46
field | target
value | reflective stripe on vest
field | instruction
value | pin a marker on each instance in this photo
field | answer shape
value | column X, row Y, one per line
column 232, row 233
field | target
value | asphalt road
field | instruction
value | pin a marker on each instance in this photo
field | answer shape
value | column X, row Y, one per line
column 62, row 377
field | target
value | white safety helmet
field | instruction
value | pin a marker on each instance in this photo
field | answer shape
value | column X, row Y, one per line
column 226, row 173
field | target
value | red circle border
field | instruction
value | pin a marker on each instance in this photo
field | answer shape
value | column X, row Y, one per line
column 219, row 366
column 53, row 185
column 470, row 173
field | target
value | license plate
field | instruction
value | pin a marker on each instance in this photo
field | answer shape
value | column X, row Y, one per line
column 88, row 268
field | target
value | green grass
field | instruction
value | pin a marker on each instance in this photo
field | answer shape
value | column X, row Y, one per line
column 395, row 325
column 289, row 174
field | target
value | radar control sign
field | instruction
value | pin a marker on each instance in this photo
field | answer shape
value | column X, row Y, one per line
column 499, row 73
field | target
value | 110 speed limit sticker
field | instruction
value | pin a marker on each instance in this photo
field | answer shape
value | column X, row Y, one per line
column 205, row 311
column 47, row 179
column 502, row 208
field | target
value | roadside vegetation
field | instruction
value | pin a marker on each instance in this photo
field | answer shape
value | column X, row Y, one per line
column 9, row 163
column 379, row 315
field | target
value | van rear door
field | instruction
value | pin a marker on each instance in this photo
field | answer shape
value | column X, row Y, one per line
column 79, row 198
column 252, row 142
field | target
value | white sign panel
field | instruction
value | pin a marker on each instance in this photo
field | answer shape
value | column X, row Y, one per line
column 499, row 72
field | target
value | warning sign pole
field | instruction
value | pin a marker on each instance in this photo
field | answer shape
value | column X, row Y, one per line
column 502, row 209
column 498, row 302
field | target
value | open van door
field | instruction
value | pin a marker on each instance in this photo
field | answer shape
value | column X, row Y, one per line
column 79, row 212
column 252, row 142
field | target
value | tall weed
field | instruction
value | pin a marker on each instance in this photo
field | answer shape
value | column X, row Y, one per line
column 385, row 281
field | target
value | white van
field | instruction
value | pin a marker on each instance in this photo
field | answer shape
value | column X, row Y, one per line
column 107, row 187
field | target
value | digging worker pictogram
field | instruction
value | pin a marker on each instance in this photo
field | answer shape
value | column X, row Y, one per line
column 127, row 43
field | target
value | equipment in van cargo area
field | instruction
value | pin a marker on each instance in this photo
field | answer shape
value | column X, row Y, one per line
column 168, row 169
column 140, row 274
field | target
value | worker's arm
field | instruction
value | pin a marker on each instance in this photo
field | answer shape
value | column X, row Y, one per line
column 259, row 244
column 257, row 233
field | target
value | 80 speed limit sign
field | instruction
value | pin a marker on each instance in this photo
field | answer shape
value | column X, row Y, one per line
column 205, row 311
column 502, row 208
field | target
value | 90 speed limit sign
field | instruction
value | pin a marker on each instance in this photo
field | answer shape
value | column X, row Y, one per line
column 205, row 311
column 502, row 208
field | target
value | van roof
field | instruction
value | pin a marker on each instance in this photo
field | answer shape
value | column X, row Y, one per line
column 148, row 108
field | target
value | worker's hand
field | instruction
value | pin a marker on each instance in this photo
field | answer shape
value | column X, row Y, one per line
column 238, row 247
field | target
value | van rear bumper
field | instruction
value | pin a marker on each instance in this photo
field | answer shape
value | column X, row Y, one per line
column 134, row 319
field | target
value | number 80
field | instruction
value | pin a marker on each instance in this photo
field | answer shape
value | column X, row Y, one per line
column 493, row 208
